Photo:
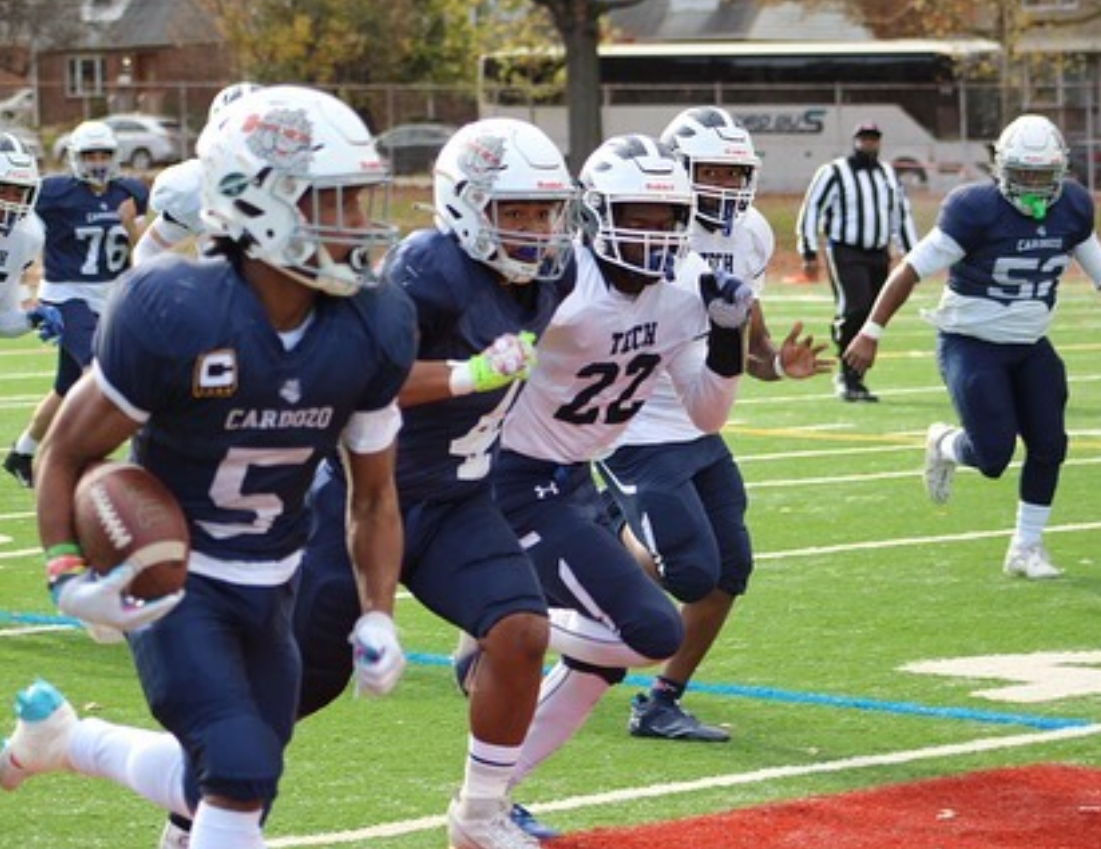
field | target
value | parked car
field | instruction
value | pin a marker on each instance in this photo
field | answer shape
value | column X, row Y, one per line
column 144, row 140
column 18, row 107
column 412, row 148
column 31, row 140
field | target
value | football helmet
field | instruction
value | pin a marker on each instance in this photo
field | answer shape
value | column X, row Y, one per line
column 228, row 96
column 88, row 137
column 707, row 134
column 1030, row 164
column 267, row 159
column 635, row 169
column 18, row 170
column 502, row 159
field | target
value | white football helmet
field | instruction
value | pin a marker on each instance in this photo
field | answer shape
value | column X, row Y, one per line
column 228, row 96
column 89, row 137
column 502, row 159
column 1030, row 164
column 707, row 134
column 635, row 169
column 266, row 161
column 18, row 170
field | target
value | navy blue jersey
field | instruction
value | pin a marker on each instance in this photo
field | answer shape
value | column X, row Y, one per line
column 1010, row 257
column 446, row 447
column 85, row 239
column 237, row 423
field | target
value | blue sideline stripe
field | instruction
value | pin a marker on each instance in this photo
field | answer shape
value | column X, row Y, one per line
column 741, row 691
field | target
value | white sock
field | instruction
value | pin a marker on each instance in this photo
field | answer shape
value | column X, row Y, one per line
column 1031, row 521
column 948, row 443
column 220, row 828
column 489, row 769
column 150, row 763
column 25, row 444
column 566, row 698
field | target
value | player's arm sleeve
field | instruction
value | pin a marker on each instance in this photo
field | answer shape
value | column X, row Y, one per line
column 936, row 252
column 1088, row 255
column 372, row 431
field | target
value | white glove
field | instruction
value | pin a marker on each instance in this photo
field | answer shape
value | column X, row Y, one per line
column 509, row 358
column 102, row 601
column 728, row 299
column 379, row 660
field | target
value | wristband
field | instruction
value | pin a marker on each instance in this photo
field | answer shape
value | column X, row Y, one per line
column 872, row 330
column 461, row 380
column 63, row 567
column 63, row 548
column 778, row 365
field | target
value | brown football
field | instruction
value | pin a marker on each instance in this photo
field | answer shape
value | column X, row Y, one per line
column 124, row 512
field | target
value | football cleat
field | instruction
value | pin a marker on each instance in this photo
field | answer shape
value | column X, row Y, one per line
column 851, row 388
column 174, row 837
column 19, row 467
column 40, row 742
column 939, row 470
column 527, row 822
column 485, row 824
column 669, row 721
column 1030, row 561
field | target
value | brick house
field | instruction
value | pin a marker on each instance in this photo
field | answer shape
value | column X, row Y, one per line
column 156, row 56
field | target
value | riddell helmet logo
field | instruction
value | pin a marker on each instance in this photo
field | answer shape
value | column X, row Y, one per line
column 661, row 187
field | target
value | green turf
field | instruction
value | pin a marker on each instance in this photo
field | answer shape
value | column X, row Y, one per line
column 858, row 574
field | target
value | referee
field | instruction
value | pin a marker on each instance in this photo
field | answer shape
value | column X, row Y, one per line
column 859, row 205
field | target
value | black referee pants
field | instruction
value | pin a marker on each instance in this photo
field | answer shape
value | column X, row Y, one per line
column 856, row 276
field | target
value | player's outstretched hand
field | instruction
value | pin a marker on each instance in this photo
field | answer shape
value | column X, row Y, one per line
column 379, row 660
column 802, row 358
column 102, row 600
column 728, row 299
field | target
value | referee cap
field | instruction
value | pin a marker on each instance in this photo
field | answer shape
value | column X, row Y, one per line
column 867, row 129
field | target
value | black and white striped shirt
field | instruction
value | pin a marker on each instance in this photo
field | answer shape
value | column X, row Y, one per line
column 859, row 207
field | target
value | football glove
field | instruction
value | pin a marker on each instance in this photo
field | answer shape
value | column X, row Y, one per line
column 47, row 321
column 509, row 358
column 379, row 660
column 102, row 600
column 729, row 300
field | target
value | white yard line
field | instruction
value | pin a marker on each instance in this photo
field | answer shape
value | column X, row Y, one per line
column 985, row 744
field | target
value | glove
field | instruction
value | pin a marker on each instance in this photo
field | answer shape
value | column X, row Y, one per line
column 728, row 299
column 101, row 601
column 509, row 358
column 379, row 660
column 47, row 321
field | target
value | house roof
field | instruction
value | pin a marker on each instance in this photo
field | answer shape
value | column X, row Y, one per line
column 151, row 23
column 710, row 20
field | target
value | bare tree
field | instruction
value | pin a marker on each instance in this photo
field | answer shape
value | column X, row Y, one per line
column 578, row 23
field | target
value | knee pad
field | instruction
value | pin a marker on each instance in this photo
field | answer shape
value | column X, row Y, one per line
column 612, row 676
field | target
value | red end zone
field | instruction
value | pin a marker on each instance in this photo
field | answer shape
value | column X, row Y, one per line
column 1037, row 807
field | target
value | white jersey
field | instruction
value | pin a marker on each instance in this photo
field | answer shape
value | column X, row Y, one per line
column 601, row 357
column 745, row 253
column 18, row 250
column 177, row 192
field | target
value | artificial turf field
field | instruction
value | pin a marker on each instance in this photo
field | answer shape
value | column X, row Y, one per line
column 879, row 649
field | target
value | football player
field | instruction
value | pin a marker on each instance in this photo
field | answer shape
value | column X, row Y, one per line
column 679, row 489
column 638, row 307
column 233, row 377
column 1005, row 244
column 485, row 280
column 21, row 240
column 87, row 247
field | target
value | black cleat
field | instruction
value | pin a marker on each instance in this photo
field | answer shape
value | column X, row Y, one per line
column 852, row 389
column 19, row 467
column 669, row 721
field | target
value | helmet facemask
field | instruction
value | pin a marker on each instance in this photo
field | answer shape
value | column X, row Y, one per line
column 718, row 206
column 19, row 182
column 647, row 253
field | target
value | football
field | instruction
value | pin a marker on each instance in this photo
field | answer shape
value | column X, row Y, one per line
column 124, row 512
